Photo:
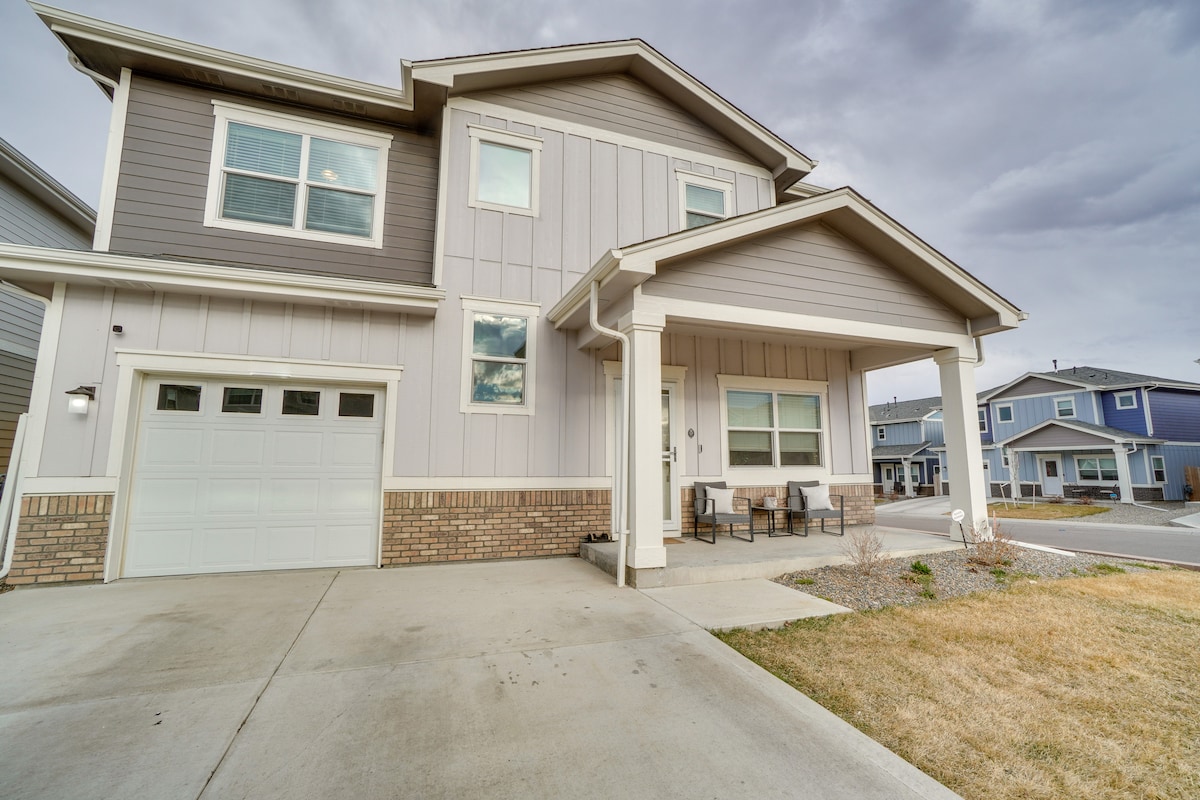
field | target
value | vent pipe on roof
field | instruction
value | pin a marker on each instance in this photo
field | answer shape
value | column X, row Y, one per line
column 1055, row 362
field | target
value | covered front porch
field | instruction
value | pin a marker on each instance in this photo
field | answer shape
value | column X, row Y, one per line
column 738, row 351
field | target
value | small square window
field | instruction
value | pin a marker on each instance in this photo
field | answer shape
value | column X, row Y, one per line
column 356, row 405
column 1064, row 407
column 1004, row 413
column 703, row 199
column 504, row 170
column 174, row 397
column 301, row 403
column 1126, row 399
column 241, row 401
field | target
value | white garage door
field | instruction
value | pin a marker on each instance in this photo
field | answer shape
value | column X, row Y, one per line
column 234, row 475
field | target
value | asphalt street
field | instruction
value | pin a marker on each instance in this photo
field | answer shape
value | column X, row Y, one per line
column 1151, row 542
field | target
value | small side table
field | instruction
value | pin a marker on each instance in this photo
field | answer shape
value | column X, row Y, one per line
column 772, row 528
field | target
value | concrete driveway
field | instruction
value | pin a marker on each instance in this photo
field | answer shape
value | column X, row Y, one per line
column 520, row 679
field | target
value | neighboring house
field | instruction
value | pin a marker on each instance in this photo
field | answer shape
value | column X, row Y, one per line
column 36, row 210
column 902, row 435
column 1086, row 431
column 334, row 323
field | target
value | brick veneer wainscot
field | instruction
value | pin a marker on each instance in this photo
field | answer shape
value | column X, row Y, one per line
column 859, row 499
column 427, row 527
column 61, row 538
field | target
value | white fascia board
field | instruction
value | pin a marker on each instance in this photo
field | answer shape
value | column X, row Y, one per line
column 1064, row 423
column 66, row 23
column 1086, row 387
column 579, row 294
column 22, row 262
column 493, row 484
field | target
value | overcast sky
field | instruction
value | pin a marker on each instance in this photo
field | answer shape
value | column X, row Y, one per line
column 1052, row 149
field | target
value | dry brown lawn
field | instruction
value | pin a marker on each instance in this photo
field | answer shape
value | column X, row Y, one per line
column 1077, row 688
column 1045, row 511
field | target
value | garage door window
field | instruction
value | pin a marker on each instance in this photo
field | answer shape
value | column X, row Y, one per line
column 356, row 405
column 301, row 403
column 173, row 397
column 241, row 401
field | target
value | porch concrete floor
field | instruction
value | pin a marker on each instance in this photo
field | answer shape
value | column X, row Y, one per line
column 696, row 562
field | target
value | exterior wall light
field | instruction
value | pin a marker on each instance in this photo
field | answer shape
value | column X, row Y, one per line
column 80, row 398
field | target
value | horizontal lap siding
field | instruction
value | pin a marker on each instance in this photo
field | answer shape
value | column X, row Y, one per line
column 810, row 270
column 25, row 220
column 164, row 180
column 1055, row 436
column 1175, row 415
column 620, row 104
column 15, row 387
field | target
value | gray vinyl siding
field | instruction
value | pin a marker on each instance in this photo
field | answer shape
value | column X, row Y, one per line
column 1056, row 436
column 14, row 399
column 20, row 325
column 1031, row 386
column 617, row 103
column 25, row 220
column 164, row 180
column 806, row 270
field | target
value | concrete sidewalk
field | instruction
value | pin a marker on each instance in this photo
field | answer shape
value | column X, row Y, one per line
column 518, row 679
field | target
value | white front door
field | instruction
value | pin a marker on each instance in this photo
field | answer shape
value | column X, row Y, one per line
column 1050, row 469
column 889, row 479
column 670, row 459
column 237, row 474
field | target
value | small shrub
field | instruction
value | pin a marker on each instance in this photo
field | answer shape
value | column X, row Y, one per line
column 805, row 581
column 1056, row 500
column 1085, row 500
column 1106, row 569
column 1140, row 565
column 993, row 551
column 921, row 568
column 999, row 574
column 928, row 594
column 864, row 548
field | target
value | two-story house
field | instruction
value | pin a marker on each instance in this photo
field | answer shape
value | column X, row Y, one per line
column 903, row 435
column 35, row 210
column 508, row 301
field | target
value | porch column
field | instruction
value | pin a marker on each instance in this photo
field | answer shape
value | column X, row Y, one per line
column 964, row 452
column 906, row 465
column 644, row 329
column 1123, row 478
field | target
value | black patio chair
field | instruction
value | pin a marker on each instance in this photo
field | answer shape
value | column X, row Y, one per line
column 705, row 511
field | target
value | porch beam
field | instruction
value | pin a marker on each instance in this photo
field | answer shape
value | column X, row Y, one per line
column 646, row 549
column 865, row 359
column 964, row 451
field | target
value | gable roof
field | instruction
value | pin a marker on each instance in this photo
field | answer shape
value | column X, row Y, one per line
column 1115, row 435
column 1092, row 379
column 33, row 179
column 466, row 74
column 845, row 210
column 905, row 410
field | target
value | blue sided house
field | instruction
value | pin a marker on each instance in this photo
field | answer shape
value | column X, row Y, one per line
column 1090, row 431
column 903, row 435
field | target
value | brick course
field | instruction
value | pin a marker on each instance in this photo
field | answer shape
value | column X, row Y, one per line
column 426, row 527
column 61, row 538
column 859, row 503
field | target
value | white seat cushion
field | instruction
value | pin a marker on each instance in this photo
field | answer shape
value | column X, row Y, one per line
column 722, row 500
column 816, row 498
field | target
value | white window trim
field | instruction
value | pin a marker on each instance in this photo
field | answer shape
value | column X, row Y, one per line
column 1074, row 411
column 1163, row 469
column 519, row 141
column 1011, row 416
column 982, row 410
column 747, row 476
column 683, row 177
column 1117, row 400
column 511, row 308
column 1100, row 480
column 230, row 112
column 880, row 433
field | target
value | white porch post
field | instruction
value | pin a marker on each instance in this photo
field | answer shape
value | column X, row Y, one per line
column 644, row 329
column 906, row 465
column 964, row 452
column 1123, row 478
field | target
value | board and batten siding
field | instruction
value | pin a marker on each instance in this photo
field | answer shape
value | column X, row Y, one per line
column 163, row 182
column 810, row 269
column 186, row 323
column 617, row 103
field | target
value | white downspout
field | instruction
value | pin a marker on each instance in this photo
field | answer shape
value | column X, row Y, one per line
column 621, row 457
column 96, row 76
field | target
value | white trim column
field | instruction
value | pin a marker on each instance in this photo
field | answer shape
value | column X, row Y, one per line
column 906, row 465
column 644, row 329
column 1124, row 480
column 964, row 452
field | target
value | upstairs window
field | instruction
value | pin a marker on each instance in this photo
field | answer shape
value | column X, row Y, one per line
column 983, row 419
column 881, row 433
column 1126, row 399
column 1004, row 413
column 1064, row 407
column 505, row 170
column 703, row 199
column 281, row 175
column 1158, row 464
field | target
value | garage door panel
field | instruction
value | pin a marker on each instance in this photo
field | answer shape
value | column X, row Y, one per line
column 215, row 491
column 222, row 548
column 166, row 447
column 234, row 495
column 233, row 447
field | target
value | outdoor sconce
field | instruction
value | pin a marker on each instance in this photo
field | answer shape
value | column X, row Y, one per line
column 79, row 398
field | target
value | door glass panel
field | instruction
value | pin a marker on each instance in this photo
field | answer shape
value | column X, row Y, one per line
column 301, row 403
column 666, row 421
column 666, row 490
column 172, row 397
column 235, row 400
column 1051, row 469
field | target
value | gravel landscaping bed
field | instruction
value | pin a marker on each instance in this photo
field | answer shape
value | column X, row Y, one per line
column 894, row 583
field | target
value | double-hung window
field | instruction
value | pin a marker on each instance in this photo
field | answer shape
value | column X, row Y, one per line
column 1158, row 465
column 773, row 428
column 505, row 169
column 1064, row 407
column 703, row 199
column 498, row 360
column 983, row 419
column 881, row 434
column 1096, row 469
column 282, row 175
column 1125, row 399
